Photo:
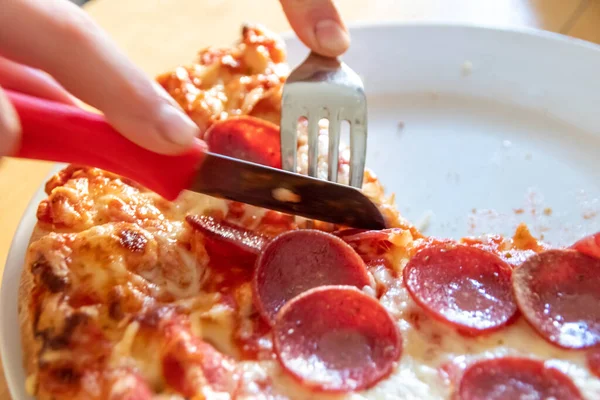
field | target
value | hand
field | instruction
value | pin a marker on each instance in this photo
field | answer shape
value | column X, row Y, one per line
column 58, row 37
column 79, row 58
column 318, row 25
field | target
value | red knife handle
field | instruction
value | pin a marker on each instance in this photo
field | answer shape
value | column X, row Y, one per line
column 56, row 132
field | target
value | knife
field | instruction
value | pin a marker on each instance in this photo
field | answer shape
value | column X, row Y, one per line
column 56, row 132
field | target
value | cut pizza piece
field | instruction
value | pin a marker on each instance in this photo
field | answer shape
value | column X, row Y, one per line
column 226, row 82
column 126, row 296
column 114, row 250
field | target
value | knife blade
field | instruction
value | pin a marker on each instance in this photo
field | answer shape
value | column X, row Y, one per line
column 229, row 178
column 56, row 132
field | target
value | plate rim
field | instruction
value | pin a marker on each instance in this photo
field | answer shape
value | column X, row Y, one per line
column 23, row 232
column 540, row 33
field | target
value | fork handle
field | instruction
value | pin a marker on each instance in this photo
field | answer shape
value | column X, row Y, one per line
column 53, row 131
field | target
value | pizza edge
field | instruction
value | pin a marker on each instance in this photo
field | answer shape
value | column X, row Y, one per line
column 30, row 345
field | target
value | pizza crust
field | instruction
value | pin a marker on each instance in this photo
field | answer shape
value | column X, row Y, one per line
column 30, row 345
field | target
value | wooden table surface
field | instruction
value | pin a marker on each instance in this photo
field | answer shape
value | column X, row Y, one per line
column 159, row 34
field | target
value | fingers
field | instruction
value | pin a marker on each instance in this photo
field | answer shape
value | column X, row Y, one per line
column 59, row 38
column 318, row 25
column 10, row 128
column 34, row 82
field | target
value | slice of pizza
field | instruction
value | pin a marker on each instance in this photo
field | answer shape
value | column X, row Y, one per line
column 126, row 296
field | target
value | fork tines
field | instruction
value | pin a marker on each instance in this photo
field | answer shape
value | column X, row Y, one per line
column 324, row 88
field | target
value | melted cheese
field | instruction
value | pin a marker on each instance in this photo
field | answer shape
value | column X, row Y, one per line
column 31, row 384
column 191, row 203
column 122, row 386
column 121, row 353
column 216, row 327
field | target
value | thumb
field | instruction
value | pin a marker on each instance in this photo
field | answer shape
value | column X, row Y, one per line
column 10, row 127
column 319, row 25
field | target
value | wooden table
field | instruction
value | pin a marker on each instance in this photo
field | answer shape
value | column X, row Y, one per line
column 159, row 34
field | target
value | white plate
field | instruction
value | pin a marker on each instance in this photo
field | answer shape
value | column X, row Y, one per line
column 501, row 122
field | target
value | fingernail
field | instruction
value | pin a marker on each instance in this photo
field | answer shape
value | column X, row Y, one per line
column 331, row 37
column 176, row 126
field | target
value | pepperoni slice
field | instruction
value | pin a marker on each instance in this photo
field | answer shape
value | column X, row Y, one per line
column 515, row 378
column 336, row 339
column 465, row 287
column 299, row 260
column 246, row 138
column 558, row 292
column 593, row 360
column 589, row 245
column 227, row 241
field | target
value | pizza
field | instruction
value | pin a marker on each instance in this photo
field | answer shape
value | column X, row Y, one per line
column 127, row 296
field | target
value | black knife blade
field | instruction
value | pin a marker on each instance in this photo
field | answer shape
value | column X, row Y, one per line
column 233, row 179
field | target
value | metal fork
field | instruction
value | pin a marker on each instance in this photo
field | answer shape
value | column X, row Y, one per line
column 324, row 88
